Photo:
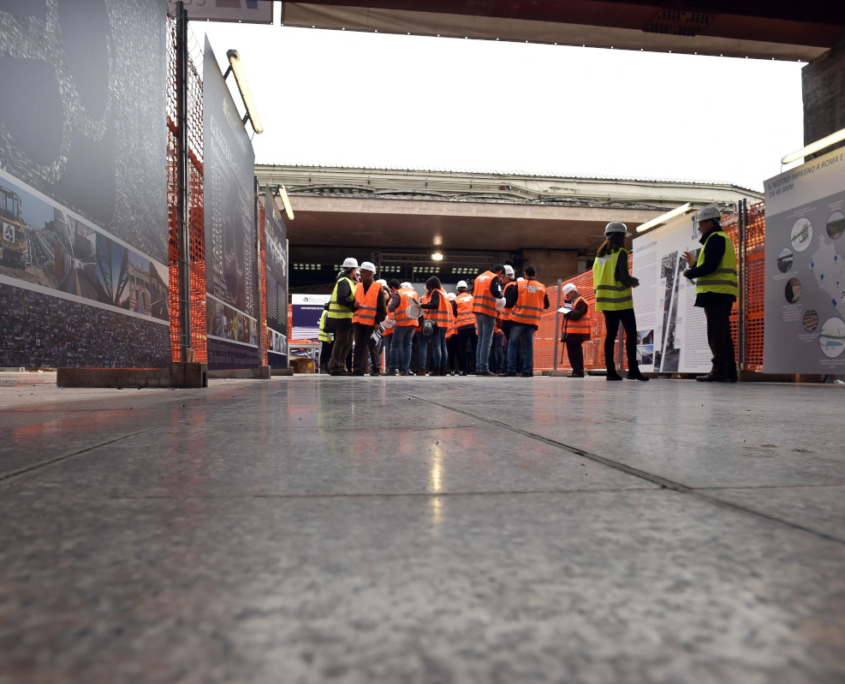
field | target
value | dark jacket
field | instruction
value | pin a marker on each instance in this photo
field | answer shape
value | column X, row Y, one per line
column 713, row 253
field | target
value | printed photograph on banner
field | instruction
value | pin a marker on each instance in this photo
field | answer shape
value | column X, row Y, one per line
column 44, row 245
column 226, row 323
column 276, row 266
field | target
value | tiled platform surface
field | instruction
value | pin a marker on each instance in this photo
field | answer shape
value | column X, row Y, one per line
column 429, row 530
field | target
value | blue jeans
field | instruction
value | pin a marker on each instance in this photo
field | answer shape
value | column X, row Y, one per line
column 526, row 333
column 485, row 342
column 438, row 349
column 403, row 340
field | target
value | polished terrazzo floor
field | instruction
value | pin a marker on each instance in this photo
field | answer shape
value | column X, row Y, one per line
column 429, row 530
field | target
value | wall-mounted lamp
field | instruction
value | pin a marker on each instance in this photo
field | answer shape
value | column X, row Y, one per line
column 283, row 195
column 236, row 67
column 817, row 146
column 665, row 218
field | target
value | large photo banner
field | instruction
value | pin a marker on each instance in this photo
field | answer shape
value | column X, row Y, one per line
column 305, row 314
column 276, row 272
column 805, row 269
column 228, row 194
column 83, row 189
column 672, row 332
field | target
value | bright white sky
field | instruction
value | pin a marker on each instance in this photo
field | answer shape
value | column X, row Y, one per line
column 373, row 100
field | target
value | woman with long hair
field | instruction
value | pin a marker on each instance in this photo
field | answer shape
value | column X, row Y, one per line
column 614, row 298
column 438, row 309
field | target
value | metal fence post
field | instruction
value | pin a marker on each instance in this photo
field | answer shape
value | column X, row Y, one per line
column 259, row 271
column 557, row 325
column 182, row 170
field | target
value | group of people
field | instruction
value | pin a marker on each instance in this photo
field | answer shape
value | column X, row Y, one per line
column 490, row 331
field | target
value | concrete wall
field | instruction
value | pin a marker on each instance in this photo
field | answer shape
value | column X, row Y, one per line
column 551, row 264
column 823, row 83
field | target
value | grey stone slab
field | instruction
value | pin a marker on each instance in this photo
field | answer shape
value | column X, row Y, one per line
column 817, row 508
column 696, row 434
column 593, row 587
column 271, row 458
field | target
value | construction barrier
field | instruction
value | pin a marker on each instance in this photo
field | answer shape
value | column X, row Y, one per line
column 747, row 329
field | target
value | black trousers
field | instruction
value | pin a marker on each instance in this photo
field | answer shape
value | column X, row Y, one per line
column 575, row 352
column 325, row 356
column 719, row 338
column 342, row 349
column 612, row 319
column 466, row 355
column 365, row 348
column 453, row 363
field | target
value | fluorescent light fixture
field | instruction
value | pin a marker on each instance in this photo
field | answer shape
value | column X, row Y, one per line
column 665, row 218
column 237, row 68
column 437, row 256
column 817, row 146
column 283, row 195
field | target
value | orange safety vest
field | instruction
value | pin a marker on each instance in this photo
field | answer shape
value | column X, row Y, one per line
column 483, row 301
column 442, row 314
column 365, row 314
column 582, row 326
column 408, row 296
column 530, row 303
column 388, row 296
column 505, row 314
column 466, row 317
column 453, row 327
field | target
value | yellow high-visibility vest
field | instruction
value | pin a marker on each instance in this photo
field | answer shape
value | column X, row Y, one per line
column 723, row 280
column 611, row 295
column 324, row 336
column 336, row 311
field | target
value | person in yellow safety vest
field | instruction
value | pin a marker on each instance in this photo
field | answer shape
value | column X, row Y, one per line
column 486, row 293
column 438, row 309
column 527, row 306
column 716, row 290
column 370, row 310
column 465, row 325
column 341, row 310
column 452, row 365
column 577, row 328
column 326, row 341
column 402, row 345
column 614, row 298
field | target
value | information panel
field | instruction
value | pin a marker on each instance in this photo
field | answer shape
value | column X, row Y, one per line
column 276, row 272
column 805, row 268
column 672, row 332
column 228, row 194
column 306, row 311
column 240, row 11
column 83, row 187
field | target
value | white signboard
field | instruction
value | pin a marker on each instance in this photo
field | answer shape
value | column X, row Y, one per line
column 671, row 331
column 805, row 268
column 240, row 11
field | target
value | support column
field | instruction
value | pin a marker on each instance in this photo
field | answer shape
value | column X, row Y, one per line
column 823, row 85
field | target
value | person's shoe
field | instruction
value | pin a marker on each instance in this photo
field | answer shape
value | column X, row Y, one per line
column 421, row 373
column 713, row 377
column 404, row 374
column 613, row 376
column 375, row 374
column 391, row 373
column 358, row 374
column 463, row 374
column 486, row 374
column 338, row 373
column 509, row 374
column 527, row 375
column 636, row 375
column 575, row 375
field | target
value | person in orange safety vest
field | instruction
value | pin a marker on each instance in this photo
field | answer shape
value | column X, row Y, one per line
column 577, row 328
column 527, row 306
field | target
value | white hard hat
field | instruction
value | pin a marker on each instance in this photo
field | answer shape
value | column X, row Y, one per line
column 381, row 282
column 509, row 271
column 406, row 284
column 709, row 213
column 451, row 296
column 569, row 287
column 616, row 227
column 520, row 279
column 351, row 263
column 462, row 284
column 367, row 266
